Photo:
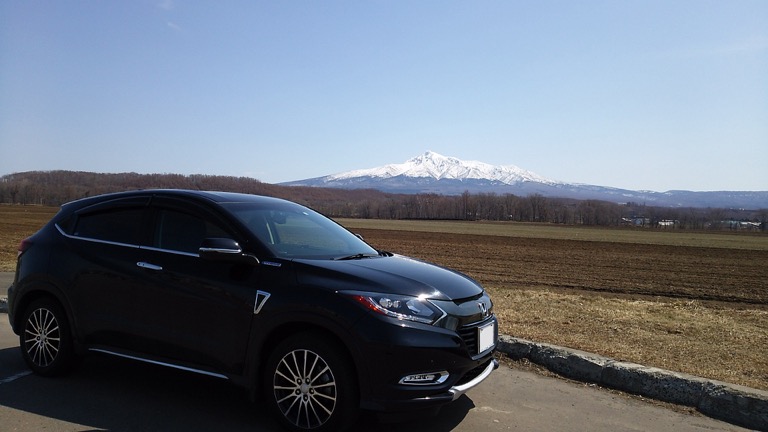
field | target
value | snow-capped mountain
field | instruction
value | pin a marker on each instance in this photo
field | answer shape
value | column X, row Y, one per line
column 439, row 167
column 435, row 173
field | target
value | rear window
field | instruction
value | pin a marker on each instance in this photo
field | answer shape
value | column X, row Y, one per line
column 118, row 226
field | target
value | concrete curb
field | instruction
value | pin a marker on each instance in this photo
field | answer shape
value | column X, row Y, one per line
column 734, row 404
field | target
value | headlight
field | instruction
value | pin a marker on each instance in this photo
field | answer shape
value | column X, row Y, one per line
column 417, row 309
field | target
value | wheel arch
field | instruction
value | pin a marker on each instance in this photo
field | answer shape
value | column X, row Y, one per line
column 291, row 328
column 329, row 353
column 38, row 291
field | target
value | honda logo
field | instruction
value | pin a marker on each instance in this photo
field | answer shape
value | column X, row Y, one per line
column 483, row 309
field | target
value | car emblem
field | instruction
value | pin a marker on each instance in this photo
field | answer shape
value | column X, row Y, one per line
column 483, row 309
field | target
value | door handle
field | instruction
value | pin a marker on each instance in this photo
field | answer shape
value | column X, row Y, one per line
column 148, row 266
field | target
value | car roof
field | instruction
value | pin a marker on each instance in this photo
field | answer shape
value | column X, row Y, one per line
column 213, row 196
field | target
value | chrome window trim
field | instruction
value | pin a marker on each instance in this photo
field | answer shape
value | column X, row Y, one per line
column 128, row 245
column 90, row 239
column 175, row 252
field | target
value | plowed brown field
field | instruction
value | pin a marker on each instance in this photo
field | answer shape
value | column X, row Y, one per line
column 689, row 302
column 695, row 273
column 697, row 310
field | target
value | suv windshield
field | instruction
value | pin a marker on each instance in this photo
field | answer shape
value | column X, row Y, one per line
column 292, row 231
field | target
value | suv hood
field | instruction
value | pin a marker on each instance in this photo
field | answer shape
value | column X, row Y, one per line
column 395, row 274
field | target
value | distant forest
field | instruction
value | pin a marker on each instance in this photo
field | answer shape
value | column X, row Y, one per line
column 53, row 188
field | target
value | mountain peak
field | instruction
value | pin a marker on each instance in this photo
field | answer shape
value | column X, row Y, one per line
column 436, row 166
column 431, row 172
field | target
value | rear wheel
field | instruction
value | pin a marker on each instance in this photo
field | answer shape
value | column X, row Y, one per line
column 45, row 339
column 310, row 384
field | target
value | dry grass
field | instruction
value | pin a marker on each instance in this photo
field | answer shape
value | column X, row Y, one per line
column 683, row 335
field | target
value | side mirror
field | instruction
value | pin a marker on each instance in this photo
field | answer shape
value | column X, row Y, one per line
column 225, row 249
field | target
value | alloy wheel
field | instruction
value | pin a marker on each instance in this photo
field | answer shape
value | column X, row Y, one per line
column 305, row 389
column 42, row 337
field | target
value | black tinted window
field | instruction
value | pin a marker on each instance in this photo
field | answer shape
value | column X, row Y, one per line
column 183, row 232
column 119, row 226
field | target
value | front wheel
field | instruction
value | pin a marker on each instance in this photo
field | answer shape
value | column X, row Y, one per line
column 310, row 384
column 45, row 339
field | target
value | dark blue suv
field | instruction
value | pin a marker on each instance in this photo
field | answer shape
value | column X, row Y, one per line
column 262, row 292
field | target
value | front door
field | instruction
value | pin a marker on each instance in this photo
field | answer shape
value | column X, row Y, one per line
column 194, row 310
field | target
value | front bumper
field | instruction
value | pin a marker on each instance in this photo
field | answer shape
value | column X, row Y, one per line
column 395, row 351
column 434, row 399
column 459, row 390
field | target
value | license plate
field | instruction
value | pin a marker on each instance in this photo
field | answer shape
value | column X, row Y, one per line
column 485, row 337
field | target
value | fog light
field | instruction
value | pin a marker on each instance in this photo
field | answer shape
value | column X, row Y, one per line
column 425, row 378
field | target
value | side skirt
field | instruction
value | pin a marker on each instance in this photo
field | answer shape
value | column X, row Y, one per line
column 170, row 365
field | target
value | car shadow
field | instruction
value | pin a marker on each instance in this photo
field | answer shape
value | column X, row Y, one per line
column 108, row 393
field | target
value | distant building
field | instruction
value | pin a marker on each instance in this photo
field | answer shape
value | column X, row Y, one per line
column 639, row 221
column 668, row 223
column 740, row 225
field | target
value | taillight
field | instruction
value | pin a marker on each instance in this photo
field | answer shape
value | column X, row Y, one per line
column 24, row 246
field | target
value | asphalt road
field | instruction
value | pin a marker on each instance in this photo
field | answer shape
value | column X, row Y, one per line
column 107, row 393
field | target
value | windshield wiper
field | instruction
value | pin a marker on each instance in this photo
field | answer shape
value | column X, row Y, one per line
column 355, row 257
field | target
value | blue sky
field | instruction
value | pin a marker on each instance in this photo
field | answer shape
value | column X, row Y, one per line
column 652, row 95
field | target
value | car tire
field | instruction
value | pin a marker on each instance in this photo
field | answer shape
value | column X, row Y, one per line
column 45, row 339
column 310, row 384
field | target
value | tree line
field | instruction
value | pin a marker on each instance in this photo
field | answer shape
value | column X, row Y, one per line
column 53, row 188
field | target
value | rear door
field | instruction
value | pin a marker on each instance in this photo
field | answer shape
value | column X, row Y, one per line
column 104, row 244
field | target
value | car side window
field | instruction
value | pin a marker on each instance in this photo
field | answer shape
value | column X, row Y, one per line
column 117, row 226
column 183, row 232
